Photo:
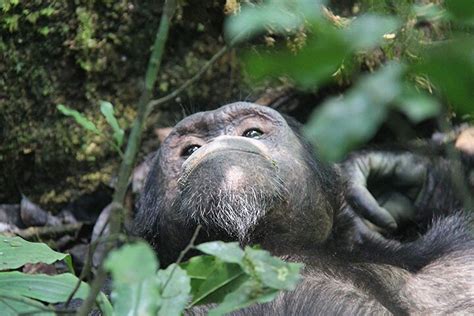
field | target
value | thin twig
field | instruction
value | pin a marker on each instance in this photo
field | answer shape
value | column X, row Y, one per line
column 153, row 103
column 183, row 253
column 88, row 263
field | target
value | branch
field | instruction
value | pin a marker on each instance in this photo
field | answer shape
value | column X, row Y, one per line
column 44, row 231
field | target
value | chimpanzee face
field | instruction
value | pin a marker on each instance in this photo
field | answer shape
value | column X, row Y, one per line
column 233, row 170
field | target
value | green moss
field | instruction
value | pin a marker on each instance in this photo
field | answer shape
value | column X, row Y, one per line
column 77, row 53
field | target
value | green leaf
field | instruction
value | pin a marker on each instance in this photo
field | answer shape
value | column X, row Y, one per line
column 122, row 263
column 315, row 63
column 175, row 286
column 107, row 110
column 250, row 292
column 462, row 10
column 212, row 279
column 227, row 252
column 417, row 106
column 15, row 252
column 275, row 15
column 450, row 66
column 48, row 288
column 79, row 118
column 271, row 271
column 12, row 304
column 367, row 31
column 135, row 290
column 340, row 124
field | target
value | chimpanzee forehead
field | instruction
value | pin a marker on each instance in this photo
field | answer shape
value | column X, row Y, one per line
column 209, row 120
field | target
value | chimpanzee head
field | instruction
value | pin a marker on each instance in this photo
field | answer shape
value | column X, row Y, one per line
column 244, row 173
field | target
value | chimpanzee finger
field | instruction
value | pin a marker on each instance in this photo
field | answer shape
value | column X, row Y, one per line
column 365, row 205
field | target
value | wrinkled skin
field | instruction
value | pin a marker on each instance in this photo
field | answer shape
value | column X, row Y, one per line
column 245, row 173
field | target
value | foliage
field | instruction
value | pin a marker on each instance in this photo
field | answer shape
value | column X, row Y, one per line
column 341, row 124
column 16, row 252
column 27, row 293
column 229, row 276
column 107, row 109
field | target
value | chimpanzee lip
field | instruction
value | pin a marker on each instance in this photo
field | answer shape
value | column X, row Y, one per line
column 183, row 179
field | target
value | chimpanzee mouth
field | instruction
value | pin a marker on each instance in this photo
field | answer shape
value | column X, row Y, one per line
column 224, row 209
column 189, row 167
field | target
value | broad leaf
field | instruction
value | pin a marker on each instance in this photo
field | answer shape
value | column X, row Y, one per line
column 227, row 252
column 250, row 292
column 107, row 110
column 12, row 304
column 315, row 63
column 272, row 271
column 135, row 286
column 417, row 106
column 450, row 66
column 212, row 279
column 340, row 124
column 175, row 290
column 15, row 252
column 48, row 288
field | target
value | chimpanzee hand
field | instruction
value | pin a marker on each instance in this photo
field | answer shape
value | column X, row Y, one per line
column 383, row 187
column 391, row 189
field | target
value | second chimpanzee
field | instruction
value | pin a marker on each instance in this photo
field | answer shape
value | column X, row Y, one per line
column 245, row 173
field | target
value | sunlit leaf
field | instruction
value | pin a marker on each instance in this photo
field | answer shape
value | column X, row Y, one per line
column 135, row 290
column 250, row 292
column 175, row 287
column 107, row 110
column 227, row 252
column 212, row 279
column 272, row 271
column 15, row 252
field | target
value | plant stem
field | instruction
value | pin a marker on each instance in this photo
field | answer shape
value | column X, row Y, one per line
column 117, row 213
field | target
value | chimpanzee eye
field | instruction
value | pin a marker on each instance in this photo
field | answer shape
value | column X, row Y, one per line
column 188, row 151
column 252, row 133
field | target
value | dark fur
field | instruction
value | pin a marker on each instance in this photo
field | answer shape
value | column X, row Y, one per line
column 433, row 274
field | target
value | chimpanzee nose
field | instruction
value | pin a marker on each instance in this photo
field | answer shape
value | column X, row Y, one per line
column 228, row 160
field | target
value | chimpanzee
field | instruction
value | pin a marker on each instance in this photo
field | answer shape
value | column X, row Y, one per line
column 245, row 173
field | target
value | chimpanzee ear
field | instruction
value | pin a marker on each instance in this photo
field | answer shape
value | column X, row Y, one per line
column 162, row 133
